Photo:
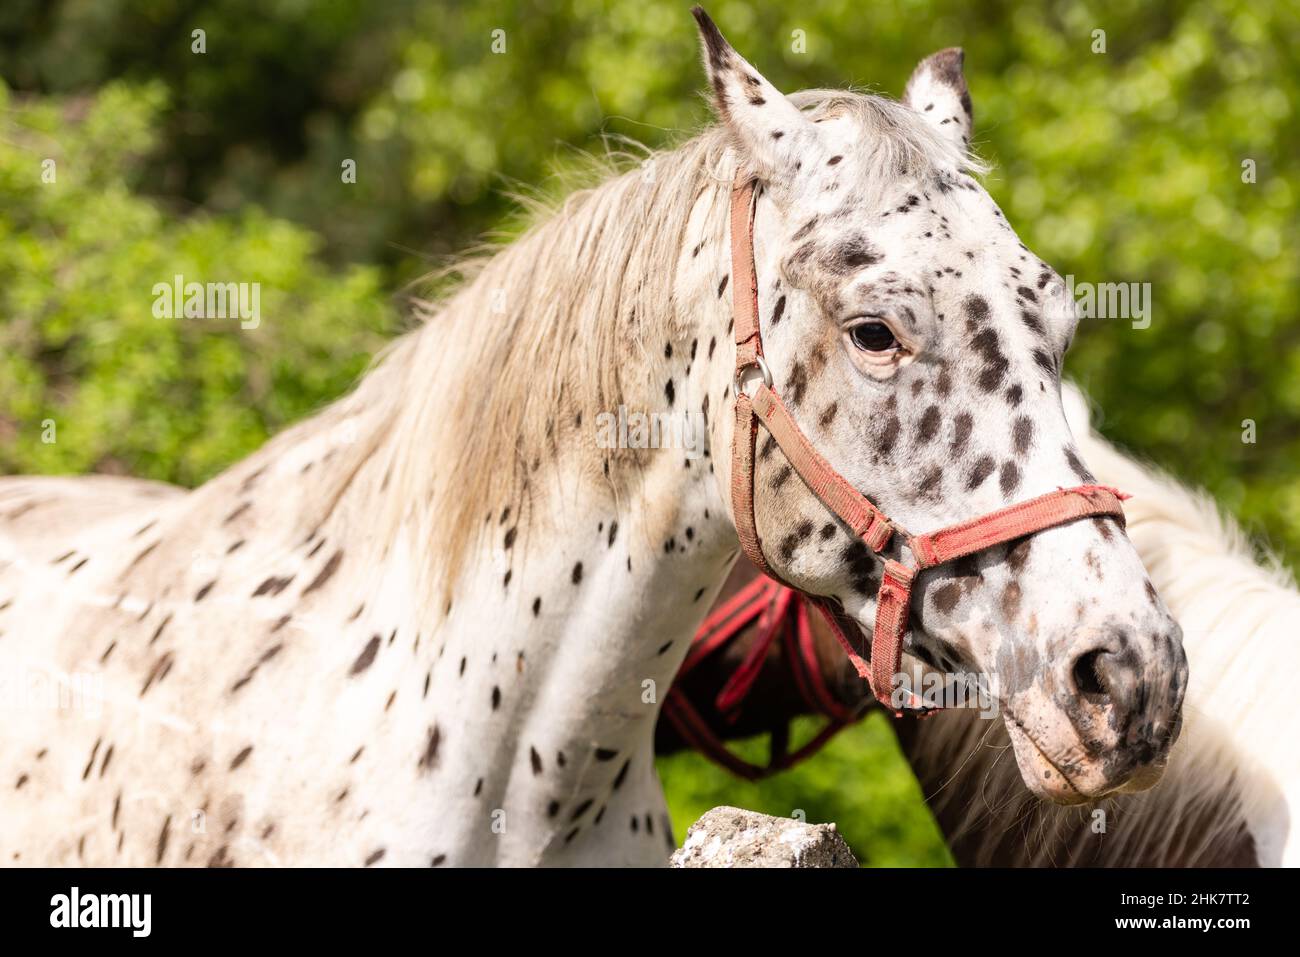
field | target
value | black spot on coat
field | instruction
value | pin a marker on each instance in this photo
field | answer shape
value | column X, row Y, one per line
column 367, row 656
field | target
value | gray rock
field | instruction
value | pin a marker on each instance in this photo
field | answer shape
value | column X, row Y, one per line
column 732, row 837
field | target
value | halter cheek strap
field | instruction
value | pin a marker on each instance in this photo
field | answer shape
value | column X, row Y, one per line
column 764, row 406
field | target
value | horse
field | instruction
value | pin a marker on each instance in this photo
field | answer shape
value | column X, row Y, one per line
column 1231, row 794
column 415, row 629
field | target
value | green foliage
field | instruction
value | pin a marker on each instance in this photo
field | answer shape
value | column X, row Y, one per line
column 1115, row 166
column 80, row 346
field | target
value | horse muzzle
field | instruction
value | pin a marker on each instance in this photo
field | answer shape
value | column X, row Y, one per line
column 1104, row 720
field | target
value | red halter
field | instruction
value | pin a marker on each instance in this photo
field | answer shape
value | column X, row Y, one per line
column 894, row 600
column 782, row 619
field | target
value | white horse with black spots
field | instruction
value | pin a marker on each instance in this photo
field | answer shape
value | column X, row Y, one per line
column 432, row 624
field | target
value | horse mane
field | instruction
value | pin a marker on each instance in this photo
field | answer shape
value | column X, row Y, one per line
column 1237, row 616
column 464, row 414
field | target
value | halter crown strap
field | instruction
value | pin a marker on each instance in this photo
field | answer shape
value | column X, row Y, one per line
column 894, row 599
column 749, row 350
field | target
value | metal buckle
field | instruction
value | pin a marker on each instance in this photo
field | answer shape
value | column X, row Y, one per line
column 758, row 364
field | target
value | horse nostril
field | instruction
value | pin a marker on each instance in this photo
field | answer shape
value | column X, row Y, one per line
column 1087, row 673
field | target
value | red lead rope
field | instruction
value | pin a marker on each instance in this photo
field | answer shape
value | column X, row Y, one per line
column 782, row 616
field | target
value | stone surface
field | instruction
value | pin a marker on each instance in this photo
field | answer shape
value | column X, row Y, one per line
column 732, row 837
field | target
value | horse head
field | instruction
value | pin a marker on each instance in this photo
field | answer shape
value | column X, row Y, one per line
column 918, row 344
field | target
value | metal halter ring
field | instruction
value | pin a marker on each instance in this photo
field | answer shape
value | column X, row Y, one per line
column 762, row 367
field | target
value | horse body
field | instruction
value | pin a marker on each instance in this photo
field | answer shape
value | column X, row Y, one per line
column 271, row 695
column 433, row 623
column 216, row 628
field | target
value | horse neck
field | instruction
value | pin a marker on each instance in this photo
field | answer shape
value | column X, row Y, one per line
column 576, row 604
column 1237, row 745
column 1238, row 630
column 423, row 433
column 554, row 633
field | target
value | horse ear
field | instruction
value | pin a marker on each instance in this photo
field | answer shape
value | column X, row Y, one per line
column 769, row 131
column 937, row 90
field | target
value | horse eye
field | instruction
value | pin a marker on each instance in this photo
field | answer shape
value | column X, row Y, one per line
column 873, row 337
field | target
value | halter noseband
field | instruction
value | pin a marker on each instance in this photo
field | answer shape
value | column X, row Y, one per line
column 894, row 599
